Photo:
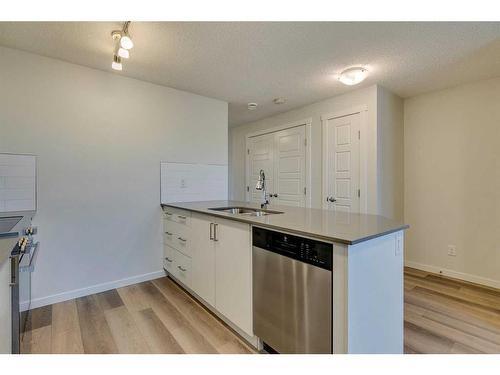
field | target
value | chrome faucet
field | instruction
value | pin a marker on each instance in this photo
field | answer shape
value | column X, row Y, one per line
column 261, row 185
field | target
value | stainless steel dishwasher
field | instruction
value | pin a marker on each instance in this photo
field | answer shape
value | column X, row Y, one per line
column 292, row 292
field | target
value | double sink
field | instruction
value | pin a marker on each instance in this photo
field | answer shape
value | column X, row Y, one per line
column 245, row 211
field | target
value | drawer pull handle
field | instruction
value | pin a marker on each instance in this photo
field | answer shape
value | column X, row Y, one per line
column 182, row 217
column 168, row 233
column 168, row 214
column 182, row 269
column 168, row 260
column 181, row 239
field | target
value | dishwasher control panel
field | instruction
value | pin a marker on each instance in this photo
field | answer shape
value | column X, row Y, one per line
column 310, row 251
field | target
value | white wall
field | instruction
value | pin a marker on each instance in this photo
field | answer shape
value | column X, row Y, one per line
column 365, row 96
column 452, row 181
column 100, row 138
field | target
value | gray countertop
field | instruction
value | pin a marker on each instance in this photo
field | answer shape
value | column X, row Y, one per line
column 322, row 224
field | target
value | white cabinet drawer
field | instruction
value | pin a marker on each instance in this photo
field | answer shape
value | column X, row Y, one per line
column 168, row 238
column 177, row 236
column 183, row 244
column 182, row 271
column 177, row 216
column 176, row 228
column 168, row 258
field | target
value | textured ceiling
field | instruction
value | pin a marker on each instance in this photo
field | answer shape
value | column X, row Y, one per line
column 242, row 62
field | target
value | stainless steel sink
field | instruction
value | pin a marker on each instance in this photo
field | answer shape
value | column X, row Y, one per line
column 245, row 211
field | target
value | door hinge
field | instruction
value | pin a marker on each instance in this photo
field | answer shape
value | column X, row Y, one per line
column 359, row 134
column 305, row 191
column 248, row 188
column 359, row 193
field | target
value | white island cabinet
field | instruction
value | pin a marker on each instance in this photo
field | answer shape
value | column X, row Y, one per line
column 233, row 277
column 209, row 252
column 203, row 257
column 211, row 257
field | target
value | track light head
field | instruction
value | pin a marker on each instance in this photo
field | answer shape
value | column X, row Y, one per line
column 117, row 63
column 126, row 42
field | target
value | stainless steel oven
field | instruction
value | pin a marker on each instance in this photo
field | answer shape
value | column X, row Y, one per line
column 23, row 260
column 17, row 231
column 292, row 292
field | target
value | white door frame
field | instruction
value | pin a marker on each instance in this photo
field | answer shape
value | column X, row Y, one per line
column 363, row 180
column 307, row 123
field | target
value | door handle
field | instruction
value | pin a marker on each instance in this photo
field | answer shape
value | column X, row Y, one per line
column 216, row 232
column 212, row 231
column 274, row 195
column 182, row 269
column 181, row 239
column 168, row 233
column 168, row 260
column 331, row 199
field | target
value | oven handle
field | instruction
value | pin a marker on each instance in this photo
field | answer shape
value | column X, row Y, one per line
column 34, row 254
column 14, row 270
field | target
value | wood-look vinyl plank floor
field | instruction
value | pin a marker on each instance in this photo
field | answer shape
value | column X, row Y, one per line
column 150, row 317
column 442, row 315
column 448, row 316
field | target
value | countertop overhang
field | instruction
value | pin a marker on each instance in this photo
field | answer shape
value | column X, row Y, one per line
column 334, row 226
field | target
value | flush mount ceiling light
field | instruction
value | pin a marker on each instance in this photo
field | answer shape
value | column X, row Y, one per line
column 123, row 43
column 353, row 76
column 252, row 106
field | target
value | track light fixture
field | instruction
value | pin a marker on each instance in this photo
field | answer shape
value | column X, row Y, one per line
column 123, row 43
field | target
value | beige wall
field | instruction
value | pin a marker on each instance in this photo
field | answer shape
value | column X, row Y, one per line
column 390, row 154
column 99, row 138
column 366, row 96
column 452, row 180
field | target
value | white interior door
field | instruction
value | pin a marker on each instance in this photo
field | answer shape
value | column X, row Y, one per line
column 341, row 190
column 290, row 167
column 282, row 156
column 261, row 155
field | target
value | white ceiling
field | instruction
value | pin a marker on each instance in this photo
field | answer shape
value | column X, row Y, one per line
column 243, row 62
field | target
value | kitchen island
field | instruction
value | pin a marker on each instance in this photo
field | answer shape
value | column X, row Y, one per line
column 208, row 250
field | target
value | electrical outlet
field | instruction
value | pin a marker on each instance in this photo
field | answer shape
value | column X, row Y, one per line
column 452, row 250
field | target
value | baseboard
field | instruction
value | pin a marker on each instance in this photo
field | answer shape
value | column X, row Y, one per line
column 455, row 274
column 98, row 288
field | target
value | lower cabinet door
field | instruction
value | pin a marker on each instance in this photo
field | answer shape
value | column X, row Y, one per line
column 233, row 276
column 203, row 257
